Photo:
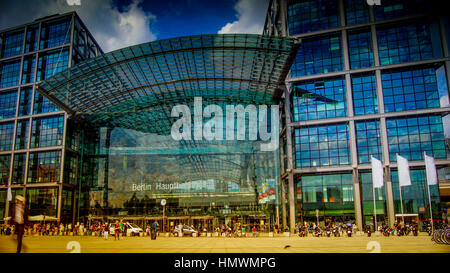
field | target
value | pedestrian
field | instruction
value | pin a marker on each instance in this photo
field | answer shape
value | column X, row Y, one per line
column 116, row 230
column 106, row 230
column 19, row 216
column 254, row 231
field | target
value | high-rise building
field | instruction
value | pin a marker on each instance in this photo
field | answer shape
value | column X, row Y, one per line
column 34, row 137
column 369, row 79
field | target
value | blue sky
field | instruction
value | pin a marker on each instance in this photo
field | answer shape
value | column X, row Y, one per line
column 120, row 23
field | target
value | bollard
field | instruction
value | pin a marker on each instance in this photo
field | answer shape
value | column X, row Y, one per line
column 270, row 234
column 216, row 234
column 194, row 234
column 286, row 234
column 167, row 234
column 208, row 234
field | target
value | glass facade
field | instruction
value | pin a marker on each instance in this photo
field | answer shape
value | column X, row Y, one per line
column 8, row 101
column 41, row 46
column 330, row 194
column 11, row 43
column 360, row 49
column 364, row 94
column 410, row 137
column 317, row 146
column 319, row 99
column 356, row 12
column 9, row 73
column 318, row 55
column 368, row 141
column 408, row 43
column 312, row 15
column 416, row 88
column 392, row 63
column 415, row 197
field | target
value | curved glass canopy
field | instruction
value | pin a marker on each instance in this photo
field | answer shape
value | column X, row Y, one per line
column 130, row 93
column 143, row 82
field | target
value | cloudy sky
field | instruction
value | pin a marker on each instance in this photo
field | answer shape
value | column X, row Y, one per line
column 120, row 23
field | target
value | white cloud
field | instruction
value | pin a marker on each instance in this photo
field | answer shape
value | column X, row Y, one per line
column 111, row 27
column 251, row 17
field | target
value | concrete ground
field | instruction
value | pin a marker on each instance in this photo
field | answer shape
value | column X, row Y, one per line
column 265, row 244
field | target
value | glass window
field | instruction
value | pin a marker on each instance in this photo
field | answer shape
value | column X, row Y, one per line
column 356, row 12
column 43, row 105
column 415, row 196
column 70, row 169
column 9, row 73
column 410, row 137
column 397, row 8
column 365, row 179
column 322, row 146
column 42, row 201
column 32, row 37
column 47, row 132
column 11, row 43
column 411, row 89
column 28, row 69
column 320, row 99
column 330, row 193
column 318, row 55
column 6, row 136
column 364, row 94
column 26, row 95
column 407, row 43
column 8, row 101
column 19, row 163
column 5, row 163
column 368, row 141
column 360, row 49
column 312, row 15
column 44, row 167
column 22, row 135
column 52, row 62
column 55, row 33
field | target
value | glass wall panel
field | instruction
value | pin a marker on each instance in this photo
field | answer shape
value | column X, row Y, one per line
column 415, row 197
column 5, row 163
column 317, row 146
column 410, row 137
column 318, row 55
column 26, row 96
column 43, row 105
column 55, row 33
column 331, row 194
column 356, row 12
column 9, row 73
column 408, row 43
column 368, row 141
column 367, row 200
column 52, row 62
column 11, row 43
column 29, row 62
column 19, row 164
column 360, row 49
column 44, row 167
column 67, row 205
column 22, row 135
column 6, row 136
column 319, row 99
column 364, row 94
column 417, row 88
column 42, row 201
column 32, row 38
column 8, row 100
column 397, row 8
column 47, row 132
column 312, row 15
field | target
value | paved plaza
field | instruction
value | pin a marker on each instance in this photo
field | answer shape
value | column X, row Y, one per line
column 280, row 244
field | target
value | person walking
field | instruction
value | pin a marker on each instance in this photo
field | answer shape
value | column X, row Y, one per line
column 19, row 217
column 106, row 230
column 116, row 230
